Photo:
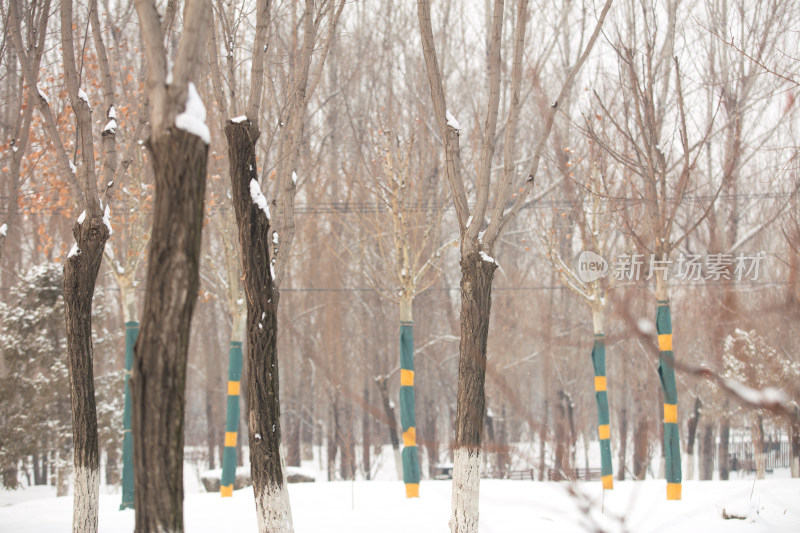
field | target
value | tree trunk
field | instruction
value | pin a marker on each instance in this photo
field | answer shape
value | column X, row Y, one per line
column 293, row 446
column 366, row 440
column 503, row 456
column 707, row 453
column 333, row 429
column 391, row 423
column 230, row 451
column 623, row 443
column 794, row 448
column 263, row 399
column 431, row 442
column 691, row 431
column 723, row 458
column 80, row 275
column 601, row 397
column 758, row 446
column 641, row 455
column 131, row 334
column 476, row 304
column 112, row 465
column 37, row 471
column 666, row 373
column 408, row 419
column 159, row 371
column 543, row 443
column 62, row 469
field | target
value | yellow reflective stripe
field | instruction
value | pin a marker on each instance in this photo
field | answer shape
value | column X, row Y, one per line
column 665, row 342
column 230, row 439
column 608, row 482
column 406, row 378
column 412, row 490
column 599, row 383
column 226, row 491
column 670, row 413
column 673, row 491
column 604, row 431
column 410, row 437
column 233, row 388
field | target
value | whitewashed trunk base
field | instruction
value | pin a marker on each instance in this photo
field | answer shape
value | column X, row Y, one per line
column 466, row 491
column 689, row 467
column 85, row 500
column 273, row 508
column 796, row 467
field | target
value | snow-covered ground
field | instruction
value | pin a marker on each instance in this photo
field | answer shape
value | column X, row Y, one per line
column 505, row 507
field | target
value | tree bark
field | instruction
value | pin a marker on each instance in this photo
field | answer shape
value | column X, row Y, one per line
column 80, row 275
column 263, row 400
column 159, row 373
column 476, row 304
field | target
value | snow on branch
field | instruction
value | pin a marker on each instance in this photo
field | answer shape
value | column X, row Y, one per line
column 769, row 399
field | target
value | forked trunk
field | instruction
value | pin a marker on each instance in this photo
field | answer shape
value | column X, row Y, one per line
column 263, row 401
column 158, row 382
column 476, row 303
column 80, row 274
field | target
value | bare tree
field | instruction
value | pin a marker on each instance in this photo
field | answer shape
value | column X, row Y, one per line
column 91, row 231
column 258, row 241
column 178, row 146
column 477, row 263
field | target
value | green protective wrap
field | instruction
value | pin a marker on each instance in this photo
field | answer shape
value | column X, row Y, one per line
column 407, row 414
column 599, row 365
column 666, row 373
column 131, row 334
column 410, row 465
column 232, row 417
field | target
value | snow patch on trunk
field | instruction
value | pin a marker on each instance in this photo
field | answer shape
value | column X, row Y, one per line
column 258, row 198
column 107, row 219
column 466, row 491
column 85, row 501
column 43, row 96
column 451, row 121
column 193, row 118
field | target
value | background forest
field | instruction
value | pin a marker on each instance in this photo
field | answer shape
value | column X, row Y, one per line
column 673, row 154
